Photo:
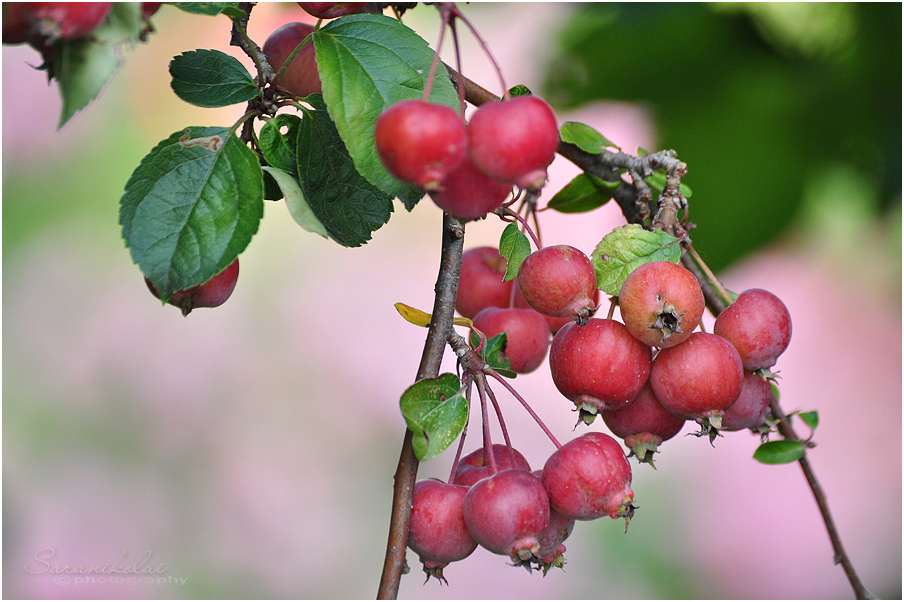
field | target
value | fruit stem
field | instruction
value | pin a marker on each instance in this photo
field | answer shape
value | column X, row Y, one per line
column 496, row 408
column 508, row 215
column 726, row 298
column 295, row 52
column 444, row 12
column 461, row 439
column 524, row 403
column 483, row 45
column 485, row 416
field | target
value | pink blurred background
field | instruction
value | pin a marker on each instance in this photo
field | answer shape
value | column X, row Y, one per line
column 250, row 449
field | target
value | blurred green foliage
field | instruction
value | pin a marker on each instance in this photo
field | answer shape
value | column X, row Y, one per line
column 756, row 98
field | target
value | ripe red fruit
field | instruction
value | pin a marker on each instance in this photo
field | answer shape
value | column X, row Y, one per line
column 552, row 548
column 661, row 303
column 508, row 513
column 644, row 424
column 332, row 10
column 758, row 325
column 515, row 140
column 300, row 77
column 149, row 8
column 476, row 465
column 468, row 194
column 480, row 284
column 420, row 142
column 598, row 366
column 698, row 379
column 749, row 411
column 590, row 477
column 43, row 23
column 527, row 335
column 555, row 324
column 438, row 534
column 212, row 293
column 558, row 281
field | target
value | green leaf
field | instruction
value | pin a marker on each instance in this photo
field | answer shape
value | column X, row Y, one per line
column 624, row 249
column 519, row 90
column 585, row 137
column 366, row 63
column 210, row 78
column 279, row 148
column 584, row 193
column 515, row 247
column 82, row 66
column 298, row 206
column 191, row 207
column 811, row 419
column 209, row 9
column 493, row 353
column 436, row 412
column 348, row 206
column 779, row 452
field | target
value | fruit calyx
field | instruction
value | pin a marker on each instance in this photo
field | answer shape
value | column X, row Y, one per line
column 710, row 426
column 643, row 446
column 668, row 320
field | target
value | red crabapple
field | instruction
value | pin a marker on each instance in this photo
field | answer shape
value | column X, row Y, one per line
column 47, row 22
column 300, row 77
column 515, row 140
column 698, row 379
column 332, row 10
column 508, row 513
column 438, row 534
column 758, row 325
column 749, row 411
column 148, row 9
column 590, row 477
column 468, row 194
column 480, row 284
column 644, row 424
column 558, row 281
column 212, row 293
column 420, row 142
column 661, row 303
column 552, row 548
column 476, row 465
column 598, row 366
column 527, row 335
column 555, row 324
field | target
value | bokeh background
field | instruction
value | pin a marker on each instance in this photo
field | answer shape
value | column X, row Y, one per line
column 250, row 449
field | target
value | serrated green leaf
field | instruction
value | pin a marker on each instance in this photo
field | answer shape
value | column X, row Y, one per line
column 367, row 63
column 84, row 65
column 210, row 78
column 519, row 90
column 493, row 354
column 585, row 137
column 811, row 419
column 191, row 207
column 298, row 207
column 779, row 452
column 584, row 193
column 278, row 148
column 436, row 411
column 624, row 249
column 209, row 9
column 515, row 247
column 348, row 206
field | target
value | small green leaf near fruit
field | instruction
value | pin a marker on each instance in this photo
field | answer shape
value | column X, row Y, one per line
column 780, row 452
column 515, row 247
column 436, row 412
column 625, row 248
column 585, row 137
column 584, row 193
column 211, row 78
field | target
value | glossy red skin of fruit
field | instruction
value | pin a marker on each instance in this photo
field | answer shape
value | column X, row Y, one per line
column 589, row 477
column 758, row 324
column 148, row 9
column 438, row 533
column 212, row 293
column 700, row 378
column 599, row 364
column 16, row 30
column 661, row 288
column 420, row 142
column 558, row 281
column 300, row 77
column 643, row 415
column 555, row 324
column 508, row 513
column 475, row 466
column 514, row 140
column 53, row 21
column 468, row 194
column 480, row 284
column 527, row 335
column 560, row 527
column 332, row 10
column 749, row 411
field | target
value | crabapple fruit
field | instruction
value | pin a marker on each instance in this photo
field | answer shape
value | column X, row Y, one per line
column 644, row 424
column 661, row 303
column 508, row 513
column 558, row 281
column 332, row 10
column 438, row 534
column 527, row 335
column 589, row 477
column 212, row 293
column 43, row 23
column 476, row 465
column 301, row 77
column 698, row 379
column 420, row 142
column 514, row 140
column 148, row 9
column 749, row 411
column 555, row 324
column 552, row 548
column 758, row 325
column 598, row 366
column 468, row 194
column 480, row 284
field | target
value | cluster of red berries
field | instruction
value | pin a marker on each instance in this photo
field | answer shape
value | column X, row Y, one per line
column 42, row 24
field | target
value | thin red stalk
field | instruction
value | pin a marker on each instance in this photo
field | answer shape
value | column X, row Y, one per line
column 461, row 439
column 505, row 434
column 486, row 50
column 485, row 416
column 527, row 407
column 433, row 65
